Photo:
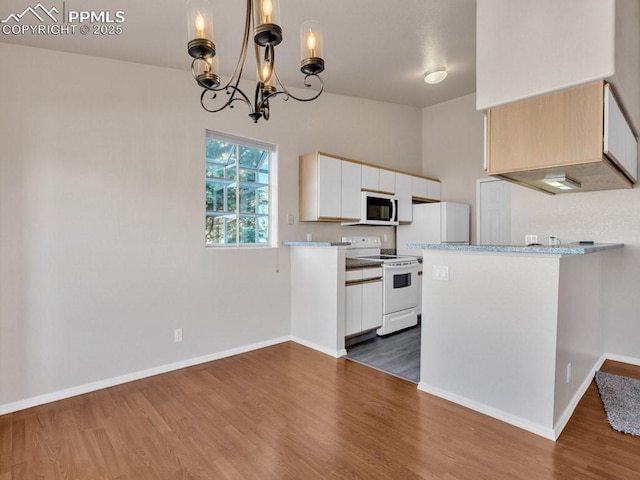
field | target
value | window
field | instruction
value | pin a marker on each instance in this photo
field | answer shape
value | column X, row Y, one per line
column 238, row 191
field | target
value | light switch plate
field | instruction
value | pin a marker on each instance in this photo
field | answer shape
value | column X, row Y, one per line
column 441, row 272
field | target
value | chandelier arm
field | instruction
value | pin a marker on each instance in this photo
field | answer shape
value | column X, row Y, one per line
column 307, row 84
column 288, row 94
column 237, row 71
column 229, row 102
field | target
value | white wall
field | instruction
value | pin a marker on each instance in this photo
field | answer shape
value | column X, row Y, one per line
column 528, row 48
column 452, row 149
column 102, row 214
column 608, row 216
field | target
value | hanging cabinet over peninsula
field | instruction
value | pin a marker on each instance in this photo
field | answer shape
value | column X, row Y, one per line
column 562, row 134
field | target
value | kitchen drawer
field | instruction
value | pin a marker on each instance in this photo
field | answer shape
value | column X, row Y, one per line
column 362, row 274
column 368, row 273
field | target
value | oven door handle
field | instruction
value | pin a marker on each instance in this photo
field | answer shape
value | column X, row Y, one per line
column 410, row 268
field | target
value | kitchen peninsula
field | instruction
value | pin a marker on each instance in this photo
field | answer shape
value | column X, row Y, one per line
column 513, row 332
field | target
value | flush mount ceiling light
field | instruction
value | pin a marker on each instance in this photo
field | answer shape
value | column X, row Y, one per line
column 562, row 182
column 261, row 16
column 436, row 75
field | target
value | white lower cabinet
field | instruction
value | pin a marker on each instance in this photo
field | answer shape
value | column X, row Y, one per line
column 363, row 300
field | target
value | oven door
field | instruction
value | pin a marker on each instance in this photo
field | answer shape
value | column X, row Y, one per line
column 400, row 287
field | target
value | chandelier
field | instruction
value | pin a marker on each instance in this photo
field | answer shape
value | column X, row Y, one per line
column 264, row 17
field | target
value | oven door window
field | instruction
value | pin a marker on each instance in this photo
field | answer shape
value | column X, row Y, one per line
column 402, row 280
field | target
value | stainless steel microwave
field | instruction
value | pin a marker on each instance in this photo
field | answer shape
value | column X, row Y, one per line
column 377, row 209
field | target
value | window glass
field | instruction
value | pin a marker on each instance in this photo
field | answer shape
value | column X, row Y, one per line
column 238, row 191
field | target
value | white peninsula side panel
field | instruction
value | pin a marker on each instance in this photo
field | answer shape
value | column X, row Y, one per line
column 513, row 335
column 317, row 297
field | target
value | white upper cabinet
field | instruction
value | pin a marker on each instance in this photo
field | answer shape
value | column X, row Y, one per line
column 387, row 181
column 425, row 189
column 378, row 179
column 404, row 194
column 351, row 198
column 329, row 188
column 370, row 178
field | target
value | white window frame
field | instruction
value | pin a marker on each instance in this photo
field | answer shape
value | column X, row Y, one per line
column 272, row 176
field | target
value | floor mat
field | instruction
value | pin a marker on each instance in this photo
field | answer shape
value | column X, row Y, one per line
column 621, row 399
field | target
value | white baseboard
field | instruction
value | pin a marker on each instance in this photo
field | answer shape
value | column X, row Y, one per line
column 320, row 348
column 514, row 420
column 566, row 415
column 110, row 382
column 622, row 358
column 549, row 433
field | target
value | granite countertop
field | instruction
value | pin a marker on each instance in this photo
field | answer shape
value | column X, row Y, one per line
column 354, row 263
column 301, row 243
column 563, row 249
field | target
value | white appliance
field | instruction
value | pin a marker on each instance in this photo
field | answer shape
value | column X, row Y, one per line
column 399, row 283
column 377, row 209
column 434, row 223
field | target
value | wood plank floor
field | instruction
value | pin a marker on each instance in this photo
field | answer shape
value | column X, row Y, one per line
column 398, row 353
column 288, row 412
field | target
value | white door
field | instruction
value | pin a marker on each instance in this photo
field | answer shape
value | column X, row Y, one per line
column 493, row 211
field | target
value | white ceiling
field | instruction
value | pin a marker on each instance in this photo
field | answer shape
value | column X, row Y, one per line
column 376, row 49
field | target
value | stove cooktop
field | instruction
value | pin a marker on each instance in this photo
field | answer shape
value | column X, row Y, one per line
column 389, row 258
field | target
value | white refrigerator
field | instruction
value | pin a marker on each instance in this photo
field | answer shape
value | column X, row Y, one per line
column 443, row 222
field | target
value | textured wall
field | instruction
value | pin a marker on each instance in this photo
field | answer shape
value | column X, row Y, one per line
column 102, row 209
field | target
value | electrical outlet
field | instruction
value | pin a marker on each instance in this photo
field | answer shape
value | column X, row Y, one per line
column 529, row 239
column 177, row 335
column 568, row 372
column 290, row 219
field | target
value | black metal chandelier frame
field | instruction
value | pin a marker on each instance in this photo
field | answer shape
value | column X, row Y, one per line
column 266, row 37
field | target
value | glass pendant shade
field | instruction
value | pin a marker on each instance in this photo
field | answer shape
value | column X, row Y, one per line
column 311, row 47
column 200, row 19
column 200, row 29
column 266, row 22
column 266, row 11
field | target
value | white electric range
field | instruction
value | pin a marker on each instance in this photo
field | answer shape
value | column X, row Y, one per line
column 399, row 283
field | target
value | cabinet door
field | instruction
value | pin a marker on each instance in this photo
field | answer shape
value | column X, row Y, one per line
column 434, row 191
column 420, row 187
column 387, row 181
column 370, row 178
column 353, row 309
column 619, row 143
column 553, row 130
column 371, row 304
column 329, row 187
column 351, row 198
column 404, row 194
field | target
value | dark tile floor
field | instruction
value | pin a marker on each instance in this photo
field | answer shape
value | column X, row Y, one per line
column 397, row 354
